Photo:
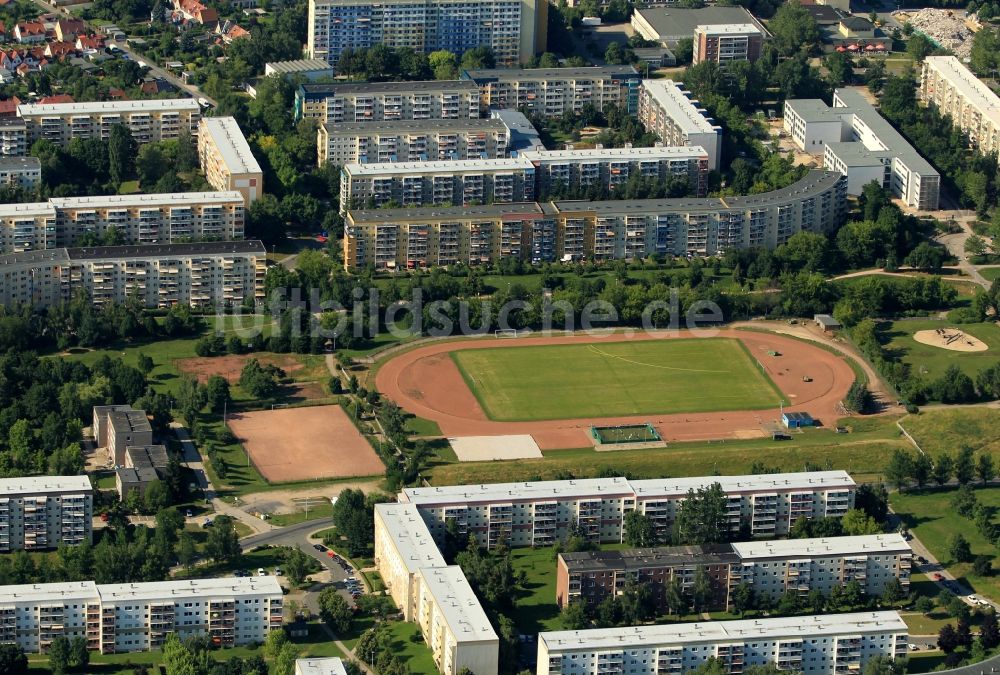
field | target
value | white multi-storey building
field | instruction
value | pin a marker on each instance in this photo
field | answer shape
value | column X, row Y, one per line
column 821, row 645
column 149, row 120
column 20, row 172
column 13, row 137
column 139, row 616
column 43, row 512
column 973, row 107
column 411, row 141
column 541, row 513
column 226, row 159
column 403, row 545
column 320, row 666
column 668, row 111
column 387, row 101
column 27, row 227
column 211, row 274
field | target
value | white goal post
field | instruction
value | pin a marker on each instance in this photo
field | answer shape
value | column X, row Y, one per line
column 505, row 333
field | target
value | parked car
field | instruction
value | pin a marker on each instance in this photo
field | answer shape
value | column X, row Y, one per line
column 912, row 647
column 261, row 572
column 938, row 577
column 188, row 513
column 319, row 547
column 277, row 572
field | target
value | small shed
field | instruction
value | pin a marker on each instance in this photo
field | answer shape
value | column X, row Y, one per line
column 826, row 322
column 797, row 420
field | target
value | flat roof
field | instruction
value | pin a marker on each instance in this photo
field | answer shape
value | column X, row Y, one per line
column 813, row 183
column 155, row 199
column 108, row 107
column 619, row 486
column 130, row 420
column 644, row 558
column 168, row 250
column 972, row 90
column 410, row 536
column 516, row 74
column 50, row 255
column 320, row 666
column 440, row 166
column 434, row 213
column 887, row 135
column 683, row 110
column 231, row 144
column 296, row 66
column 727, row 29
column 316, row 90
column 801, row 627
column 459, row 606
column 523, row 134
column 855, row 154
column 8, row 163
column 154, row 590
column 43, row 484
column 403, row 126
column 820, row 547
column 672, row 23
column 61, row 592
column 814, row 110
column 27, row 209
column 585, row 154
column 151, row 456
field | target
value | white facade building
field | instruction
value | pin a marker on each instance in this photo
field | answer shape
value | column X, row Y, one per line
column 387, row 101
column 21, row 172
column 41, row 512
column 820, row 645
column 403, row 545
column 149, row 120
column 320, row 666
column 954, row 90
column 668, row 111
column 226, row 159
column 137, row 617
column 540, row 513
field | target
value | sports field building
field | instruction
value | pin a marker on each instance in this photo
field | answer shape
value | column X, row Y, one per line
column 540, row 513
column 821, row 645
column 771, row 567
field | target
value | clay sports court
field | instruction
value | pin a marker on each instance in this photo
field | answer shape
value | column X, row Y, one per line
column 427, row 382
column 294, row 444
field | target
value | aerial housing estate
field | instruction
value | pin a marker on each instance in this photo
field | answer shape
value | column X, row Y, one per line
column 667, row 110
column 951, row 88
column 42, row 512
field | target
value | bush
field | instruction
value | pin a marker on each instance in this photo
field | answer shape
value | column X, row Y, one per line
column 964, row 315
column 982, row 566
column 912, row 408
column 335, row 385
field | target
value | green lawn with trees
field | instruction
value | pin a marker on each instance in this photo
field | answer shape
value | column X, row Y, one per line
column 932, row 362
column 615, row 378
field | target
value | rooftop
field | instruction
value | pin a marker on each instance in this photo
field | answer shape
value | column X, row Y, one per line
column 27, row 208
column 642, row 558
column 8, row 163
column 515, row 74
column 109, row 107
column 814, row 110
column 433, row 213
column 320, row 666
column 855, row 154
column 972, row 90
column 679, row 107
column 441, row 166
column 311, row 90
column 151, row 456
column 296, row 66
column 129, row 420
column 231, row 144
column 675, row 23
column 728, row 29
column 816, row 548
column 10, row 487
column 724, row 631
column 585, row 154
column 404, row 126
column 459, row 606
column 62, row 592
column 191, row 588
column 410, row 535
column 156, row 199
column 522, row 133
column 857, row 23
column 166, row 250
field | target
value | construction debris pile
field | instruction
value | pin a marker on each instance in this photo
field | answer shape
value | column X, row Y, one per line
column 946, row 27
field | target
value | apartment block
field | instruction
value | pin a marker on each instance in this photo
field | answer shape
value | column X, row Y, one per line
column 320, row 666
column 578, row 230
column 864, row 148
column 411, row 141
column 542, row 512
column 950, row 87
column 20, row 172
column 724, row 43
column 143, row 464
column 771, row 567
column 134, row 617
column 212, row 274
column 454, row 624
column 403, row 545
column 550, row 92
column 42, row 512
column 466, row 182
column 609, row 168
column 226, row 159
column 149, row 120
column 27, row 227
column 126, row 428
column 515, row 30
column 342, row 102
column 13, row 137
column 668, row 111
column 99, row 425
column 826, row 645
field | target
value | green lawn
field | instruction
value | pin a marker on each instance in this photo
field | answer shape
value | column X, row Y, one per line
column 863, row 453
column 930, row 361
column 619, row 378
column 929, row 515
column 990, row 273
column 944, row 430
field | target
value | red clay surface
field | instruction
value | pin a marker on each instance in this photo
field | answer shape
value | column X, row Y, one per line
column 293, row 444
column 426, row 382
column 230, row 366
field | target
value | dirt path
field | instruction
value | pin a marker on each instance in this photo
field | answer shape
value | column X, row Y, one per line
column 427, row 383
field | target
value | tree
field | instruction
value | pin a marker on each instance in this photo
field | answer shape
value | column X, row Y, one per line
column 79, row 656
column 975, row 245
column 924, row 605
column 186, row 551
column 121, row 154
column 943, row 467
column 444, row 64
column 873, row 500
column 989, row 633
column 893, row 592
column 217, row 393
column 478, row 58
column 884, row 665
column 919, row 47
column 574, row 615
column 964, row 469
column 900, row 468
column 854, row 594
column 639, row 530
column 145, row 363
column 743, row 598
column 701, row 518
column 13, row 660
column 59, row 655
column 959, row 549
column 701, row 590
column 922, row 467
column 856, row 523
column 223, row 544
column 947, row 640
column 982, row 566
column 335, row 610
column 985, row 468
column 297, row 566
column 794, row 29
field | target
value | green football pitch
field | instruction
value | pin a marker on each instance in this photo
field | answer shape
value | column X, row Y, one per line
column 610, row 379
